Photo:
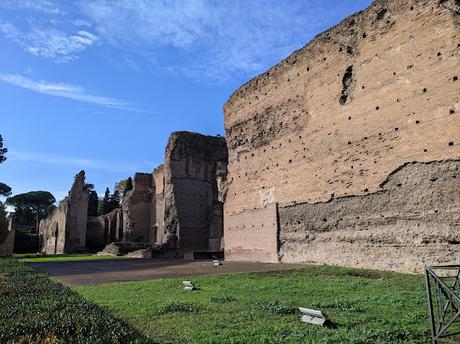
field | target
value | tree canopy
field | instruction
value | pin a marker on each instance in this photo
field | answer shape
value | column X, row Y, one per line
column 37, row 203
column 93, row 200
column 109, row 202
column 124, row 185
column 5, row 190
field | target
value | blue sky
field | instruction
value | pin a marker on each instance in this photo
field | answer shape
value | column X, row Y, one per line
column 99, row 85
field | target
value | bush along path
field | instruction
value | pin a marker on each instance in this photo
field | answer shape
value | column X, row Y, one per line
column 34, row 309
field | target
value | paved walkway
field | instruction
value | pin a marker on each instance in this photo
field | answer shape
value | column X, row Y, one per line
column 120, row 270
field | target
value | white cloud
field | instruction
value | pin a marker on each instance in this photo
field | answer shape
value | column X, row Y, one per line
column 69, row 91
column 81, row 163
column 205, row 40
column 57, row 44
column 211, row 40
column 50, row 42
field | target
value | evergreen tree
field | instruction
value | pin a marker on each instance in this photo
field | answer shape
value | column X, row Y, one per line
column 93, row 203
column 93, row 200
column 114, row 200
column 38, row 203
column 5, row 190
column 105, row 204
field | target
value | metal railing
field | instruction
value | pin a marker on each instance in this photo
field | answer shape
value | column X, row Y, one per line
column 443, row 293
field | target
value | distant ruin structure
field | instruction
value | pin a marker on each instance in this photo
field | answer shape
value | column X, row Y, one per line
column 64, row 231
column 7, row 245
column 179, row 206
column 348, row 151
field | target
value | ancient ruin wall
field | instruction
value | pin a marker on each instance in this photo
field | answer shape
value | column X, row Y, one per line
column 158, row 206
column 64, row 231
column 104, row 229
column 191, row 194
column 7, row 245
column 337, row 117
column 53, row 230
column 412, row 221
column 136, row 206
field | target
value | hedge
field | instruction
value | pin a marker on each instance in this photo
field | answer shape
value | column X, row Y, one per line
column 34, row 309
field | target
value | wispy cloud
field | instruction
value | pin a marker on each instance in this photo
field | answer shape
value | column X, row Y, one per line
column 82, row 163
column 211, row 40
column 57, row 44
column 69, row 91
column 205, row 40
column 50, row 42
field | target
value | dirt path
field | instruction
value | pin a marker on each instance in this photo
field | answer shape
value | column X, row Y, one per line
column 120, row 270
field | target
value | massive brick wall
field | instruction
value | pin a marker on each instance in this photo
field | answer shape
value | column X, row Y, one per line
column 337, row 118
column 252, row 235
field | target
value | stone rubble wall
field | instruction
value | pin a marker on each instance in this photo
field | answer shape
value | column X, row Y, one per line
column 412, row 221
column 321, row 131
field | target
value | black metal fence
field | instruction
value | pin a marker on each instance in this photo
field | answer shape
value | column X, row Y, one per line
column 443, row 292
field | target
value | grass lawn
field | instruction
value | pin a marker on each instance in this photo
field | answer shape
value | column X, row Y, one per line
column 365, row 306
column 37, row 258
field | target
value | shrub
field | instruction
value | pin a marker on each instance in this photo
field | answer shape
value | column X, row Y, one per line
column 178, row 307
column 35, row 309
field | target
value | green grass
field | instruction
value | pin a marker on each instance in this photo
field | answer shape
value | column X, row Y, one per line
column 365, row 307
column 34, row 309
column 38, row 258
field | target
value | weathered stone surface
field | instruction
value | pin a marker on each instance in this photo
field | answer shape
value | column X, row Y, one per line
column 180, row 205
column 194, row 166
column 104, row 229
column 412, row 221
column 157, row 220
column 64, row 231
column 136, row 206
column 7, row 245
column 252, row 235
column 334, row 120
